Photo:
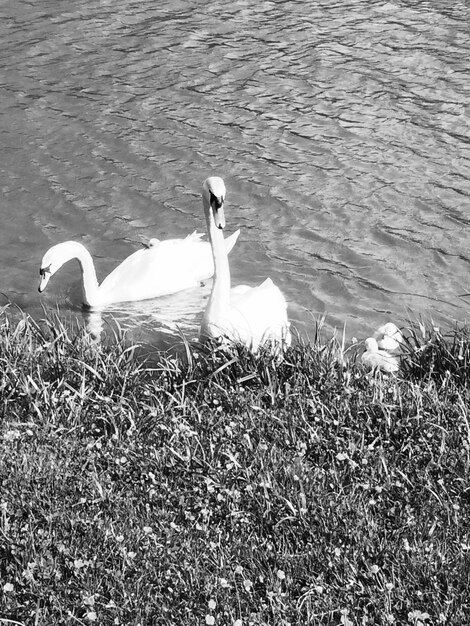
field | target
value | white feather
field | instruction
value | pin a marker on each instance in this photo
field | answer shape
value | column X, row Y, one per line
column 252, row 316
column 162, row 268
column 375, row 359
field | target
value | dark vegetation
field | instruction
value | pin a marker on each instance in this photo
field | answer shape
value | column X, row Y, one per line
column 215, row 487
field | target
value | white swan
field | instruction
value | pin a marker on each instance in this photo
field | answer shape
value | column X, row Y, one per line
column 375, row 359
column 252, row 316
column 389, row 337
column 164, row 267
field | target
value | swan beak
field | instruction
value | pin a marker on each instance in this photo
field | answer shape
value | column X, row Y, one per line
column 219, row 217
column 42, row 283
column 217, row 204
column 45, row 274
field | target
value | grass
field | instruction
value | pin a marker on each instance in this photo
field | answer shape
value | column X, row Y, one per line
column 215, row 487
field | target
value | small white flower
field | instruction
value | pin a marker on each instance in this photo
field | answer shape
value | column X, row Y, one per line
column 210, row 620
column 91, row 616
column 8, row 587
column 280, row 574
column 12, row 435
column 212, row 604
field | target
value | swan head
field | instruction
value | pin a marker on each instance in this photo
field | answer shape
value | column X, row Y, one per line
column 391, row 330
column 44, row 276
column 371, row 345
column 213, row 193
column 389, row 336
column 54, row 258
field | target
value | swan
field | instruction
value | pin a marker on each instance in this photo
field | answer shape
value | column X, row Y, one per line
column 251, row 316
column 375, row 359
column 161, row 268
column 389, row 337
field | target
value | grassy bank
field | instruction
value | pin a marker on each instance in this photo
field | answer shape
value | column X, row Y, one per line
column 228, row 489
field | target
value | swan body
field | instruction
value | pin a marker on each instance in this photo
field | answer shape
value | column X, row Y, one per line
column 251, row 316
column 162, row 268
column 389, row 337
column 375, row 359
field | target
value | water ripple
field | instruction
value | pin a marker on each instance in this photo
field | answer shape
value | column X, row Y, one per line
column 342, row 130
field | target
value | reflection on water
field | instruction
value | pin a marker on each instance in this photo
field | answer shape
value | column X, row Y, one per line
column 158, row 322
column 341, row 129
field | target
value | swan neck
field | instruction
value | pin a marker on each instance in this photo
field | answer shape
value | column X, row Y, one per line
column 90, row 284
column 219, row 299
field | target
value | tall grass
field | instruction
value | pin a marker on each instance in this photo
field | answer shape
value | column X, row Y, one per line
column 209, row 486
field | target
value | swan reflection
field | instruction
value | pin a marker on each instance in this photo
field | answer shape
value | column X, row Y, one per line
column 158, row 322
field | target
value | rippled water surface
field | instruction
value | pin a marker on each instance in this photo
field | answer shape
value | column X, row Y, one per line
column 340, row 128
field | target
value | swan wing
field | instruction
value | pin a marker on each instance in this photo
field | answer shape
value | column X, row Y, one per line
column 258, row 315
column 165, row 267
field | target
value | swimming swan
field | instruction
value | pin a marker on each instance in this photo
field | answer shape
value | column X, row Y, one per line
column 164, row 267
column 252, row 316
column 375, row 359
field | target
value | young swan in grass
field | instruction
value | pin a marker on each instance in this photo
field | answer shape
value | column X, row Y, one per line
column 375, row 359
column 162, row 268
column 251, row 316
column 388, row 337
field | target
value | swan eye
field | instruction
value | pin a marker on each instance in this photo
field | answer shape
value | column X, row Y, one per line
column 45, row 270
column 216, row 203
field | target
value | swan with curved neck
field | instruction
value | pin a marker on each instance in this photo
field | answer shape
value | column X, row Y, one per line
column 163, row 268
column 252, row 316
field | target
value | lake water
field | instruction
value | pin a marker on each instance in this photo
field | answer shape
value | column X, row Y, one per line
column 341, row 130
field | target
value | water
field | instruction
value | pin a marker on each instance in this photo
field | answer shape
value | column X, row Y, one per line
column 340, row 128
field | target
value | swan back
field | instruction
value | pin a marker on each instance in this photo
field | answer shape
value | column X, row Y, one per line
column 259, row 316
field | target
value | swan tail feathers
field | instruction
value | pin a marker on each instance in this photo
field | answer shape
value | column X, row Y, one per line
column 195, row 236
column 231, row 240
column 275, row 294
